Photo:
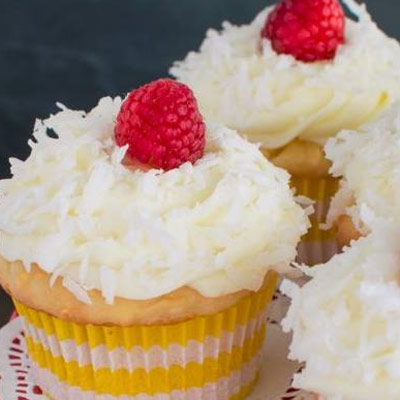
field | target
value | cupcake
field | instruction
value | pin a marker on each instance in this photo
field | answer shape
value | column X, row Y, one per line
column 368, row 161
column 345, row 322
column 142, row 245
column 290, row 86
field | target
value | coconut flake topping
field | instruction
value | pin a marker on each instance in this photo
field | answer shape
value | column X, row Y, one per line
column 369, row 161
column 346, row 322
column 242, row 82
column 78, row 212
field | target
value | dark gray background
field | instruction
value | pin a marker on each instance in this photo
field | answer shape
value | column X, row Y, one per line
column 76, row 51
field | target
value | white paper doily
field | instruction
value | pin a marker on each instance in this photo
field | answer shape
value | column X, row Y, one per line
column 274, row 381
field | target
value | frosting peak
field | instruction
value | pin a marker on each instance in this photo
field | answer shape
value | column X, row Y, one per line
column 368, row 159
column 77, row 211
column 274, row 99
column 345, row 322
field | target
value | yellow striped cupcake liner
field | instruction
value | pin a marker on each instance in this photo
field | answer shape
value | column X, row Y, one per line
column 214, row 357
column 317, row 245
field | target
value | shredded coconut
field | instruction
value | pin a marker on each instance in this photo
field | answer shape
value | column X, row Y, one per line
column 345, row 322
column 74, row 209
column 369, row 161
column 242, row 82
column 78, row 291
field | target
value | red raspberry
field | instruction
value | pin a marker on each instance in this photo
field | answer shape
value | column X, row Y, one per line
column 309, row 30
column 162, row 125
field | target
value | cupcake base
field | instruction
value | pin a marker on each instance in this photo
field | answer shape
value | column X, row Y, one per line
column 215, row 357
column 317, row 245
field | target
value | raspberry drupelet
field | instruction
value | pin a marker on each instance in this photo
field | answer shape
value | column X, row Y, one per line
column 162, row 125
column 309, row 30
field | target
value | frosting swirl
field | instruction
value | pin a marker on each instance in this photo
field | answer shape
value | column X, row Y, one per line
column 274, row 98
column 345, row 322
column 368, row 160
column 74, row 208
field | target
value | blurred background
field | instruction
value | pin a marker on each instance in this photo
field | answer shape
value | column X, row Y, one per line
column 76, row 51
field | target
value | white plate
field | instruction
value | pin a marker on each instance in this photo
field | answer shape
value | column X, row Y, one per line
column 274, row 382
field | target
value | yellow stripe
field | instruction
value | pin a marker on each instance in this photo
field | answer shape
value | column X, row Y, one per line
column 158, row 380
column 320, row 189
column 241, row 395
column 161, row 335
column 315, row 188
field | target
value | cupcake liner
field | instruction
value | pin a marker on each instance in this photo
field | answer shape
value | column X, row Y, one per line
column 317, row 245
column 214, row 357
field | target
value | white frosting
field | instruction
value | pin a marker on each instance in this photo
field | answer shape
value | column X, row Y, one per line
column 274, row 98
column 346, row 322
column 369, row 161
column 76, row 210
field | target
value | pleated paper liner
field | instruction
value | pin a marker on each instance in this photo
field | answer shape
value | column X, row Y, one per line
column 214, row 357
column 317, row 245
column 274, row 383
